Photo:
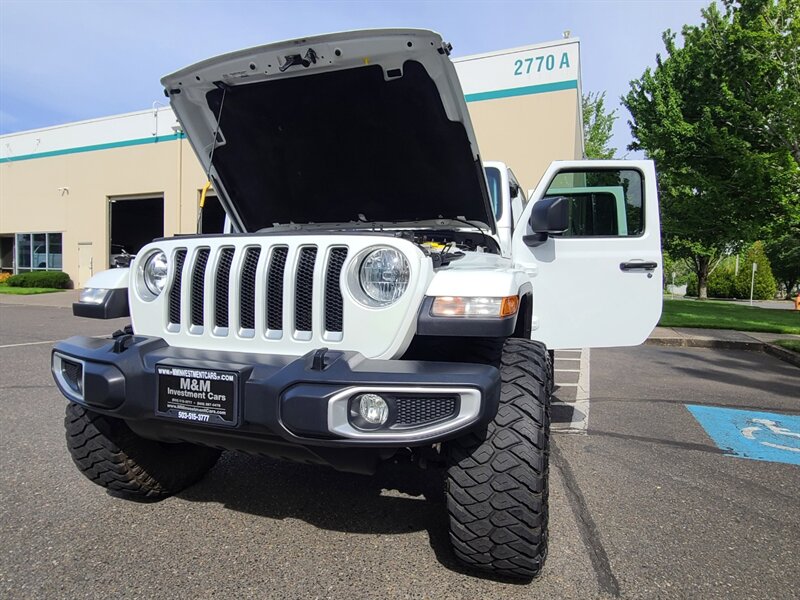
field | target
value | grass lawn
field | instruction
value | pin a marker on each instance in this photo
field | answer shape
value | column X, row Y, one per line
column 728, row 315
column 21, row 291
column 789, row 344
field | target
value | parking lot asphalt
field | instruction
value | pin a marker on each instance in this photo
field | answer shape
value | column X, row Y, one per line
column 644, row 504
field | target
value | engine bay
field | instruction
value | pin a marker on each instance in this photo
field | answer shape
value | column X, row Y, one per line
column 444, row 240
column 446, row 246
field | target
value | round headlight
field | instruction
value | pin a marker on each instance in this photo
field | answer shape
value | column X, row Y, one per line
column 155, row 272
column 384, row 275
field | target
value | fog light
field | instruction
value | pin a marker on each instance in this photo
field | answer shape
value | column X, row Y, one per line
column 373, row 409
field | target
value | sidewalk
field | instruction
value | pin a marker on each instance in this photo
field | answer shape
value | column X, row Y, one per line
column 55, row 299
column 771, row 304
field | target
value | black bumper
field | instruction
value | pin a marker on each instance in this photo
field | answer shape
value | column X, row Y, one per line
column 282, row 401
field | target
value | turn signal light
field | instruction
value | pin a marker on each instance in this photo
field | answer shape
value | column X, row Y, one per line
column 478, row 306
column 510, row 306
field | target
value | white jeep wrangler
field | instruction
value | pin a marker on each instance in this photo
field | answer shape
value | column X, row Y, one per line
column 379, row 292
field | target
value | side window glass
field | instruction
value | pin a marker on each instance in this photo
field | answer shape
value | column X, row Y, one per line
column 602, row 202
column 494, row 182
column 516, row 197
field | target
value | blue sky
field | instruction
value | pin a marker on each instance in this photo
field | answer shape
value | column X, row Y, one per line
column 71, row 60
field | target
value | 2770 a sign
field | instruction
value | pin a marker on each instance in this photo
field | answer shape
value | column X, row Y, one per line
column 543, row 62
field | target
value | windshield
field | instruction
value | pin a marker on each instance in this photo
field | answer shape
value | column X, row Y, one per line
column 494, row 181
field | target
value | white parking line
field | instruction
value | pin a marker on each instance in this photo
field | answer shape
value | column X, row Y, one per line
column 44, row 342
column 580, row 408
column 583, row 379
column 28, row 344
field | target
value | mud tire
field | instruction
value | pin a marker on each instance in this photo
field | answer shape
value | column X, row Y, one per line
column 109, row 454
column 497, row 478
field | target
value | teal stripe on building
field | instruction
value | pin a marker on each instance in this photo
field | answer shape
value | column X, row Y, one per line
column 123, row 144
column 478, row 97
column 523, row 91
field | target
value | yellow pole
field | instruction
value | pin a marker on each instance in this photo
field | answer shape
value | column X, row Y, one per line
column 202, row 204
column 203, row 194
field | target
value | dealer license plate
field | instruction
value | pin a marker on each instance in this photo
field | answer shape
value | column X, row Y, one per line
column 202, row 396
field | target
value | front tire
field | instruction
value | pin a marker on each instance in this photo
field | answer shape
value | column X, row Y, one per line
column 497, row 480
column 109, row 454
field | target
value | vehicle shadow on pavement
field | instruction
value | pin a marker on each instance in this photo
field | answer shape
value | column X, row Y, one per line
column 400, row 498
column 739, row 370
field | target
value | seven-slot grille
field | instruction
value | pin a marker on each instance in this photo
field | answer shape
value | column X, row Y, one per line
column 216, row 277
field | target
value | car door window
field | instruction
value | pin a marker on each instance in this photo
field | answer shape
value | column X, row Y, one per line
column 517, row 198
column 494, row 181
column 602, row 202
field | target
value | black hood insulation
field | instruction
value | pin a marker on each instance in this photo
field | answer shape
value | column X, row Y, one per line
column 345, row 146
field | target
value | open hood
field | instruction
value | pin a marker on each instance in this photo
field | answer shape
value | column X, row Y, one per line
column 365, row 125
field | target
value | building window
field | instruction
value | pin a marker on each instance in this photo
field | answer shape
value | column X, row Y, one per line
column 38, row 252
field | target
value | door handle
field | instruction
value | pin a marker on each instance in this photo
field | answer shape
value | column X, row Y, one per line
column 638, row 265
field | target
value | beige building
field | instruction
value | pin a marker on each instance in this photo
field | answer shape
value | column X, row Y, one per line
column 78, row 196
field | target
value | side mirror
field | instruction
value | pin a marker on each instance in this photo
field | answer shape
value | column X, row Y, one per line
column 549, row 215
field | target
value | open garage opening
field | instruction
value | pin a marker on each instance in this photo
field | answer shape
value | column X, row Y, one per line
column 133, row 222
column 212, row 217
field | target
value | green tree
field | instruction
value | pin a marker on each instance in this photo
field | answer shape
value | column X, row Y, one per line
column 724, row 140
column 761, row 92
column 597, row 126
column 721, row 281
column 764, row 286
column 783, row 252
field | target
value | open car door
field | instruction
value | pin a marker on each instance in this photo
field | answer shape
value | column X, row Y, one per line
column 598, row 283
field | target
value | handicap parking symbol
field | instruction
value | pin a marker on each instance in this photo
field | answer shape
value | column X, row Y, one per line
column 749, row 434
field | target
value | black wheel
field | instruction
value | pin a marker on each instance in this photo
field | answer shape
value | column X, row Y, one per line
column 109, row 454
column 497, row 488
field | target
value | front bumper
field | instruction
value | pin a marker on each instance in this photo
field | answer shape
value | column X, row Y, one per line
column 287, row 406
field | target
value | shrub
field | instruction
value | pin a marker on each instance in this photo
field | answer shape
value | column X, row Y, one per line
column 677, row 266
column 4, row 277
column 765, row 286
column 691, row 285
column 722, row 282
column 44, row 279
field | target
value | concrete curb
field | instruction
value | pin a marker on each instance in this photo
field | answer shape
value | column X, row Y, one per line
column 684, row 342
column 783, row 354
